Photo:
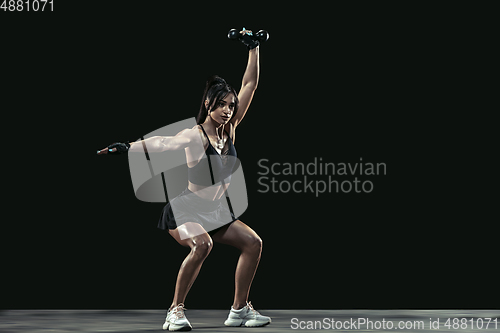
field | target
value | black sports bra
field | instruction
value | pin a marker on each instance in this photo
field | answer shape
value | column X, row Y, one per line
column 213, row 167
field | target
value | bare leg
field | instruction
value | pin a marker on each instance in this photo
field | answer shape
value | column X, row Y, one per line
column 200, row 245
column 241, row 236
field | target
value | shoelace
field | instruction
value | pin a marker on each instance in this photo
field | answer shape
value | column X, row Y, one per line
column 178, row 311
column 250, row 306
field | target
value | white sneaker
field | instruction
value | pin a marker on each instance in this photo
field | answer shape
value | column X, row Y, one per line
column 176, row 320
column 246, row 316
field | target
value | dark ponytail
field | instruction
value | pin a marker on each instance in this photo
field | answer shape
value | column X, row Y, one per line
column 216, row 89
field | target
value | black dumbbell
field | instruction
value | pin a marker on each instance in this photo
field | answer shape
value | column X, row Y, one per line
column 251, row 40
column 262, row 36
column 233, row 34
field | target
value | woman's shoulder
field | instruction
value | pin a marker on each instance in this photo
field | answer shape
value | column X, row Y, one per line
column 194, row 134
column 198, row 133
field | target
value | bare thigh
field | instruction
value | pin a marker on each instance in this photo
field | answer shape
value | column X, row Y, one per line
column 190, row 234
column 239, row 235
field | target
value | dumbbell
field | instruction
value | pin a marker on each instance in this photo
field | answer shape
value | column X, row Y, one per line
column 250, row 39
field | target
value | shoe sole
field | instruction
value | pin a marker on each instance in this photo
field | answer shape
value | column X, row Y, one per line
column 247, row 323
column 178, row 328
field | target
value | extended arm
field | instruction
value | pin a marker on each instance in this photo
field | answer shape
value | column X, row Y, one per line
column 157, row 144
column 248, row 85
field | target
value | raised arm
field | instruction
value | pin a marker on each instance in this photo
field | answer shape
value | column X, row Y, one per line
column 248, row 85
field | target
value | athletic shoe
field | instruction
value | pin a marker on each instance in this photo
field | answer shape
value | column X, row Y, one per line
column 176, row 320
column 246, row 316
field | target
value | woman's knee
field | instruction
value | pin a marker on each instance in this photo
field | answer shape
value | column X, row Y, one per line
column 201, row 246
column 254, row 244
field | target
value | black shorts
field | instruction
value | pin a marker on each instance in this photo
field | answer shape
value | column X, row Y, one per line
column 189, row 207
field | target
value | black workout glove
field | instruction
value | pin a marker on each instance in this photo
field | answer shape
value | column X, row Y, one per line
column 249, row 40
column 121, row 148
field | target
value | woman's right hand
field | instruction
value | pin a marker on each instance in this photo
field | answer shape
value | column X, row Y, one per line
column 115, row 149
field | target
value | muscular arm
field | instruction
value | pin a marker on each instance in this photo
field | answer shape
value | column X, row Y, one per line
column 248, row 85
column 156, row 144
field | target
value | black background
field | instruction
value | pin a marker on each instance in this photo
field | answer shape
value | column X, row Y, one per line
column 370, row 81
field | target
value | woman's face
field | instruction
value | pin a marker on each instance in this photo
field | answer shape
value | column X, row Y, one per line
column 223, row 112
